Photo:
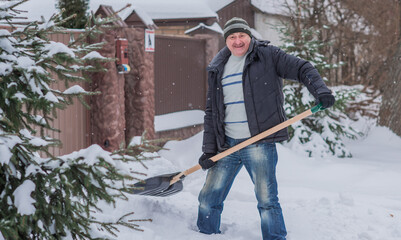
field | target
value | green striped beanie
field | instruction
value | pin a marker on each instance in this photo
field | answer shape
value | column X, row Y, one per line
column 234, row 25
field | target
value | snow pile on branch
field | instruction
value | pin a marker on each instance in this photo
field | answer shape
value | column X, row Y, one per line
column 93, row 55
column 22, row 198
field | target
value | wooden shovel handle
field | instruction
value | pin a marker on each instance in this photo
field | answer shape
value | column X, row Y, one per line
column 249, row 141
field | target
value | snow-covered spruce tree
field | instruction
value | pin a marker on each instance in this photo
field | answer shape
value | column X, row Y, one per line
column 44, row 196
column 71, row 7
column 322, row 133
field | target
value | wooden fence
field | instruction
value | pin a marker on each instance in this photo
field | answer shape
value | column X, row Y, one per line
column 180, row 74
column 74, row 121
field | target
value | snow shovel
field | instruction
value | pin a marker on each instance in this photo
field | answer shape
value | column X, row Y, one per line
column 169, row 184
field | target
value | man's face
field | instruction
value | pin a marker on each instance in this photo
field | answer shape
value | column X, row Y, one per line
column 238, row 43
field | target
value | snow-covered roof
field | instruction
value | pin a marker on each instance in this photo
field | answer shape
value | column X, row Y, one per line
column 174, row 9
column 147, row 9
column 142, row 14
column 155, row 9
column 105, row 10
column 214, row 27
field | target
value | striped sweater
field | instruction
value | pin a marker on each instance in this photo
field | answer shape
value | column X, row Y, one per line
column 236, row 123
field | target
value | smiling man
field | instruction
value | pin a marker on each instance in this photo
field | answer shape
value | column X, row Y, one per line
column 245, row 98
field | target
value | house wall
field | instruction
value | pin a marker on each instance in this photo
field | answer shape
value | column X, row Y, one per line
column 265, row 24
column 239, row 8
column 172, row 30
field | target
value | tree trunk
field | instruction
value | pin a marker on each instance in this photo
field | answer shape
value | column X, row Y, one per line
column 390, row 111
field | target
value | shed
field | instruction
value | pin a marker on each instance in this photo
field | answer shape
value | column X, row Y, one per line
column 107, row 11
column 172, row 17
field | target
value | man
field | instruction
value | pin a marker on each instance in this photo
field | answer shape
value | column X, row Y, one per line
column 245, row 98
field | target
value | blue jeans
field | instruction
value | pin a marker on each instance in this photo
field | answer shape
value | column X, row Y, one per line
column 260, row 161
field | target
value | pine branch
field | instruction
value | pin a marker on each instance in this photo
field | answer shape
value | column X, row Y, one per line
column 111, row 227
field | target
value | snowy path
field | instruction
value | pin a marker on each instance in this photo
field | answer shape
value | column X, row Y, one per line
column 322, row 199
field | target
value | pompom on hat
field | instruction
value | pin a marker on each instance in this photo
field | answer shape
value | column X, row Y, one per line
column 234, row 25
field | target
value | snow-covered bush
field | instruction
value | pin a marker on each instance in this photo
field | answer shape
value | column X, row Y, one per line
column 44, row 196
column 323, row 133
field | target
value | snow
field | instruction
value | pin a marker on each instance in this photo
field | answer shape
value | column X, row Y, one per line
column 7, row 4
column 178, row 120
column 19, row 96
column 6, row 45
column 4, row 33
column 142, row 14
column 93, row 55
column 90, row 155
column 51, row 97
column 22, row 198
column 76, row 89
column 38, row 142
column 214, row 27
column 322, row 198
column 137, row 140
column 7, row 143
column 39, row 119
column 5, row 68
column 25, row 62
column 56, row 48
column 33, row 85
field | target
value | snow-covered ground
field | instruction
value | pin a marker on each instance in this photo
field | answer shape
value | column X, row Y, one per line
column 322, row 199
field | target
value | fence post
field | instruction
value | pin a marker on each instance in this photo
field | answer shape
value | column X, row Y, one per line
column 139, row 86
column 107, row 108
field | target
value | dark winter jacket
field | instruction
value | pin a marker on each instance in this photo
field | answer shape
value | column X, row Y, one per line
column 265, row 67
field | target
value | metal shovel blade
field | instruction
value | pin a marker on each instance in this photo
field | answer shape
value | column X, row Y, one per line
column 158, row 186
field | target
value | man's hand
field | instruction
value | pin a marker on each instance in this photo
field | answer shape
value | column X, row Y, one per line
column 327, row 100
column 205, row 161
